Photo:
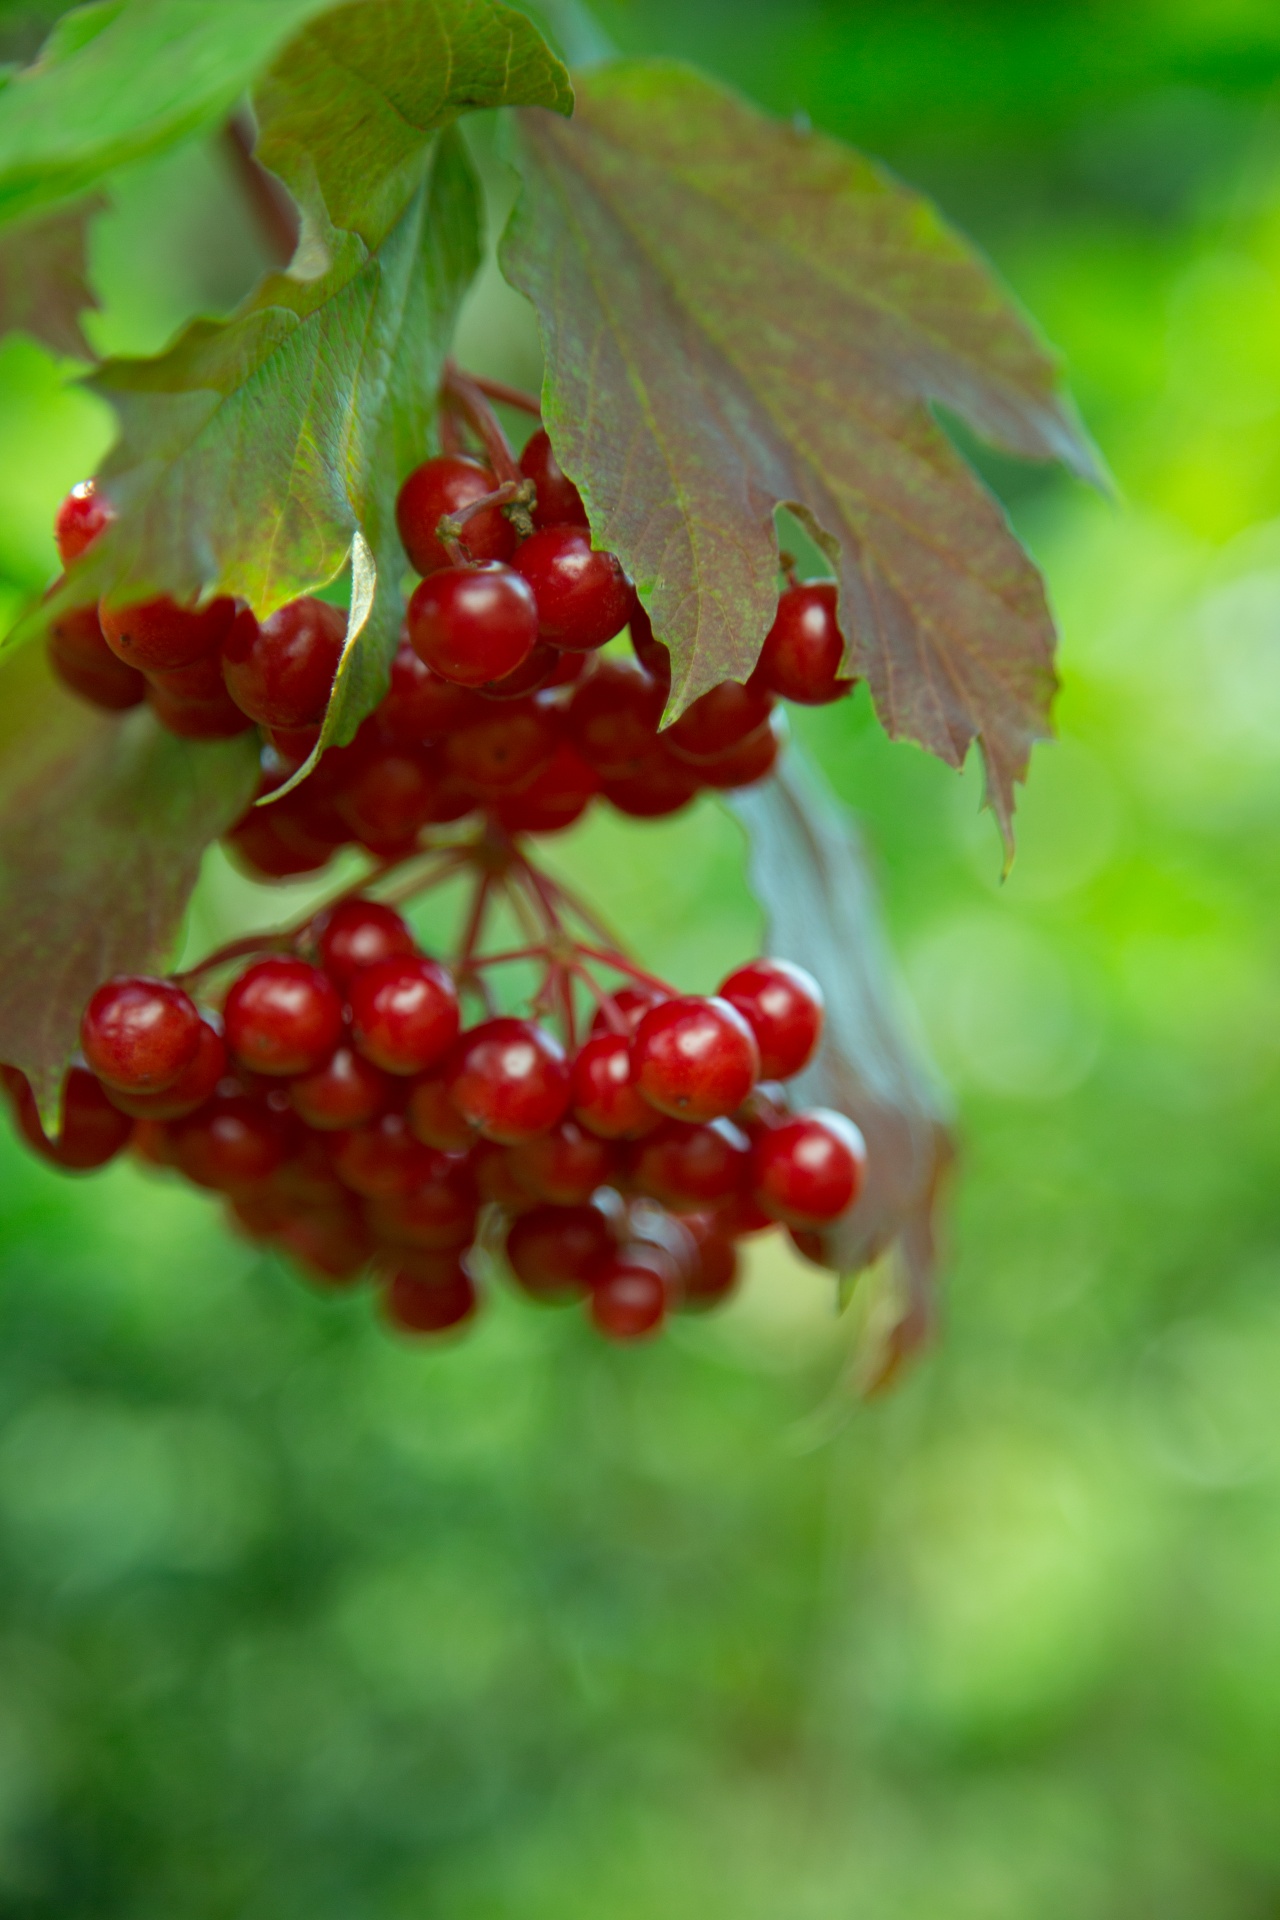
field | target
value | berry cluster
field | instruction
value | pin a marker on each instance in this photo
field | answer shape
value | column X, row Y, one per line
column 331, row 1091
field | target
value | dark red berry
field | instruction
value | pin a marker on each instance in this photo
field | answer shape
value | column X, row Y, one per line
column 782, row 1005
column 712, row 1275
column 556, row 1252
column 102, row 681
column 496, row 1180
column 695, row 1058
column 613, row 717
column 502, row 751
column 189, row 1091
column 434, row 1119
column 404, row 1013
column 429, row 1307
column 280, row 671
column 158, row 635
column 437, row 489
column 807, row 1171
column 811, row 1245
column 649, row 651
column 356, row 934
column 628, row 1300
column 330, row 1244
column 420, row 707
column 232, row 1142
column 83, row 515
column 509, row 1079
column 347, row 1091
column 216, row 719
column 539, row 670
column 606, row 1098
column 473, row 624
column 139, row 1034
column 557, row 795
column 751, row 760
column 719, row 720
column 583, row 597
column 559, row 502
column 201, row 681
column 564, row 1165
column 382, row 1160
column 258, row 847
column 283, row 1016
column 804, row 648
column 662, row 786
column 388, row 799
column 438, row 1214
column 742, row 1215
column 93, row 1130
column 689, row 1168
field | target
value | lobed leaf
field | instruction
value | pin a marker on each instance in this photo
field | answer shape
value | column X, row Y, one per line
column 44, row 282
column 738, row 314
column 103, row 822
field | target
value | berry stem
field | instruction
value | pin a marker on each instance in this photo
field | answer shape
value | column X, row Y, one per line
column 467, row 397
column 520, row 496
column 508, row 396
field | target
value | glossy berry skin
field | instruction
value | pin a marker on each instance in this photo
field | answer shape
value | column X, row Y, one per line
column 347, row 1091
column 801, row 656
column 233, row 1142
column 434, row 1119
column 564, row 1165
column 189, row 1091
column 540, row 669
column 559, row 502
column 404, row 1014
column 280, row 672
column 283, row 1016
column 93, row 1130
column 158, row 635
column 606, row 1099
column 628, row 1300
column 783, row 1006
column 556, row 1252
column 382, row 1161
column 439, row 488
column 688, row 1168
column 139, row 1034
column 613, row 717
column 695, row 1058
column 509, row 1079
column 358, row 933
column 808, row 1171
column 583, row 597
column 718, row 721
column 473, row 624
column 83, row 515
column 423, row 1308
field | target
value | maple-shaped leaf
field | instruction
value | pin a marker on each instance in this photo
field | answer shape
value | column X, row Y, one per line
column 809, row 872
column 103, row 822
column 739, row 313
column 44, row 282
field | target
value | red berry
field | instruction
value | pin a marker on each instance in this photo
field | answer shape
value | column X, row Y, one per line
column 347, row 1091
column 501, row 752
column 473, row 624
column 751, row 760
column 283, row 1016
column 613, row 717
column 426, row 1307
column 556, row 1252
column 713, row 1273
column 216, row 719
column 662, row 786
column 280, row 672
column 811, row 1245
column 583, row 597
column 404, row 1013
column 388, row 799
column 807, row 1171
column 434, row 1119
column 509, row 1079
column 83, row 515
column 564, row 1165
column 627, row 1006
column 628, row 1300
column 719, row 720
column 649, row 651
column 804, row 648
column 695, row 1058
column 93, row 1130
column 139, row 1034
column 259, row 848
column 742, row 1215
column 189, row 1091
column 421, row 707
column 559, row 502
column 782, row 1005
column 606, row 1098
column 382, row 1160
column 439, row 488
column 356, row 934
column 555, row 797
column 440, row 1213
column 201, row 681
column 86, row 665
column 232, row 1142
column 159, row 634
column 496, row 1179
column 540, row 669
column 331, row 1244
column 689, row 1168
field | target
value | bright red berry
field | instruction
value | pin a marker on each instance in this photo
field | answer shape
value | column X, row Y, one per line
column 83, row 515
column 280, row 671
column 437, row 489
column 509, row 1079
column 139, row 1034
column 689, row 1168
column 695, row 1058
column 540, row 669
column 232, row 1142
column 358, row 933
column 606, row 1098
column 559, row 502
column 804, row 648
column 556, row 1252
column 613, row 717
column 347, row 1091
column 564, row 1165
column 429, row 1307
column 93, row 1129
column 473, row 624
column 628, row 1299
column 807, row 1171
column 783, row 1006
column 283, row 1016
column 718, row 721
column 404, row 1013
column 648, row 649
column 583, row 597
column 189, row 1091
column 157, row 635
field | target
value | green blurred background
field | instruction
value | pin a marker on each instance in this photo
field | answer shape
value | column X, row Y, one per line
column 297, row 1621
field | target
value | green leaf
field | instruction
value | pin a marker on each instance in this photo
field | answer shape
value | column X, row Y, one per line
column 44, row 283
column 739, row 313
column 809, row 872
column 102, row 825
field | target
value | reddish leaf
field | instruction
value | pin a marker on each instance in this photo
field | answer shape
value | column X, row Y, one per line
column 102, row 825
column 737, row 313
column 44, row 284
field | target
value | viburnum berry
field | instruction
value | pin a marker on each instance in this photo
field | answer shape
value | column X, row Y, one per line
column 509, row 1079
column 783, row 1006
column 83, row 515
column 691, row 1167
column 388, row 799
column 92, row 1132
column 613, row 716
column 437, row 1214
column 331, row 1244
column 420, row 707
column 695, row 1058
column 79, row 655
column 230, row 1143
column 280, row 671
column 540, row 669
column 502, row 751
column 718, row 721
column 283, row 1016
column 557, row 795
column 358, row 933
column 430, row 1307
column 660, row 787
column 559, row 503
column 807, row 1170
column 473, row 624
column 433, row 1118
column 712, row 1275
column 158, row 635
column 404, row 1013
column 555, row 1253
column 438, row 489
column 189, row 1091
column 629, row 1298
column 496, row 1179
column 583, row 597
column 139, row 1034
column 382, row 1160
column 563, row 1165
column 347, row 1091
column 625, row 1009
column 751, row 760
column 216, row 719
column 606, row 1099
column 804, row 648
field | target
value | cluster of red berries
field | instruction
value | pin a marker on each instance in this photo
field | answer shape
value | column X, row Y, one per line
column 350, row 1119
column 500, row 699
